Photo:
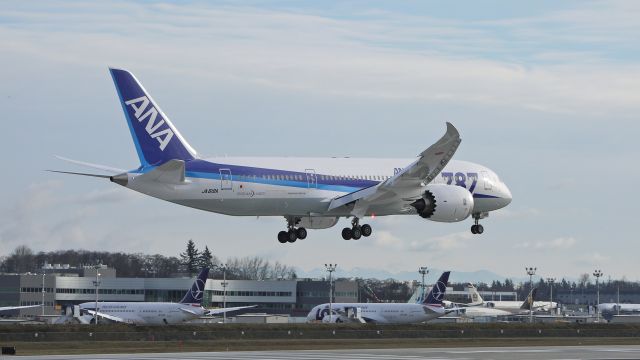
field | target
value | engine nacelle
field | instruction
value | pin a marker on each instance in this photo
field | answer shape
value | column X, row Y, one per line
column 444, row 203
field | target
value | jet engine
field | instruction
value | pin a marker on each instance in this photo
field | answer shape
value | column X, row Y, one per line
column 444, row 203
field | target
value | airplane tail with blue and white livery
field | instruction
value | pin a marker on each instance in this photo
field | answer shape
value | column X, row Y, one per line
column 439, row 289
column 195, row 294
column 156, row 139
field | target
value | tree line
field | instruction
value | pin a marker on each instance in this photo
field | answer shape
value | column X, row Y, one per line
column 23, row 260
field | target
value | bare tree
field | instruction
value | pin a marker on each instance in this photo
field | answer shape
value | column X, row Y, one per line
column 583, row 279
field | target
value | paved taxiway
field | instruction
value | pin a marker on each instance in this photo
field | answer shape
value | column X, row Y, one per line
column 554, row 352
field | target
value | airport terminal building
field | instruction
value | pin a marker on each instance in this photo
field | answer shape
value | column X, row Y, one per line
column 65, row 286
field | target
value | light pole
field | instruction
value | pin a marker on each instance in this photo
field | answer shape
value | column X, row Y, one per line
column 530, row 271
column 96, row 283
column 550, row 281
column 423, row 270
column 598, row 273
column 43, row 292
column 573, row 287
column 330, row 268
column 224, row 292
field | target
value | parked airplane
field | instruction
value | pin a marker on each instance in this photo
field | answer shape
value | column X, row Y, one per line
column 310, row 193
column 156, row 313
column 386, row 313
column 509, row 307
column 609, row 309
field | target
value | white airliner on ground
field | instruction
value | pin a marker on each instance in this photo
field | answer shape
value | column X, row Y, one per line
column 310, row 193
column 156, row 313
column 480, row 307
column 387, row 313
column 609, row 309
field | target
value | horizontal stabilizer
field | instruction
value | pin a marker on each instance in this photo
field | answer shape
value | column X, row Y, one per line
column 82, row 174
column 108, row 169
column 171, row 172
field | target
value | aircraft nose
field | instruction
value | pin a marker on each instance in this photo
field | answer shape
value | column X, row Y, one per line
column 310, row 315
column 506, row 194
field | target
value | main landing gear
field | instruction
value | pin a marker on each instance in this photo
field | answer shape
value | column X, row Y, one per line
column 293, row 233
column 356, row 231
column 476, row 228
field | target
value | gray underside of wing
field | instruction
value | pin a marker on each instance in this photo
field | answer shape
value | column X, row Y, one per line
column 405, row 185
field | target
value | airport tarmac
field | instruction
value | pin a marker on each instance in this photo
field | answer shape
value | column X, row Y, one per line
column 498, row 353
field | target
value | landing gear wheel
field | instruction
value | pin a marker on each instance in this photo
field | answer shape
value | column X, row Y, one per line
column 356, row 233
column 301, row 233
column 366, row 230
column 347, row 234
column 283, row 237
column 292, row 236
column 476, row 228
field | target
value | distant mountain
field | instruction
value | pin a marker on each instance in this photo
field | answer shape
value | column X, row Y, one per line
column 456, row 276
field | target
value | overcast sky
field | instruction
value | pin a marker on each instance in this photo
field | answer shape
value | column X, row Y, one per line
column 545, row 93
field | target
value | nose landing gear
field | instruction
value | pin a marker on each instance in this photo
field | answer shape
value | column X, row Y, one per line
column 477, row 228
column 356, row 231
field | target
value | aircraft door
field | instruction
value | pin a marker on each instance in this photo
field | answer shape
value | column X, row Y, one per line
column 312, row 180
column 225, row 179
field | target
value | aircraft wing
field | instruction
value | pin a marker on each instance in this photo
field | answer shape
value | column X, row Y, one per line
column 9, row 308
column 229, row 309
column 406, row 184
column 107, row 316
column 189, row 311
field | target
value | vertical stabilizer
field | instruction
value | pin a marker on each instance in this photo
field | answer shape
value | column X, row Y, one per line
column 438, row 290
column 196, row 293
column 476, row 299
column 528, row 302
column 156, row 139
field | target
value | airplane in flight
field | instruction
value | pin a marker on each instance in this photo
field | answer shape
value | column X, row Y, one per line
column 155, row 313
column 310, row 193
column 387, row 313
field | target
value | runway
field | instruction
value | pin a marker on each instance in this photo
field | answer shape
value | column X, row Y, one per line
column 498, row 353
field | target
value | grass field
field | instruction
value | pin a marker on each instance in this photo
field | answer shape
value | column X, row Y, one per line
column 118, row 338
column 110, row 347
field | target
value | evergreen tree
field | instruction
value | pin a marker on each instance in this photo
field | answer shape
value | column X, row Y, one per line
column 190, row 258
column 206, row 258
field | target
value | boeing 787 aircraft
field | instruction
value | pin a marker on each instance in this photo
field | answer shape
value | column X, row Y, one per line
column 430, row 308
column 310, row 193
column 156, row 313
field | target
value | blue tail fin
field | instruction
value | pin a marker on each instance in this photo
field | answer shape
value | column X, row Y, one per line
column 157, row 140
column 438, row 290
column 196, row 293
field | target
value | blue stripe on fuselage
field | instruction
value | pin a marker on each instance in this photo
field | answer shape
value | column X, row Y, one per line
column 247, row 174
column 485, row 196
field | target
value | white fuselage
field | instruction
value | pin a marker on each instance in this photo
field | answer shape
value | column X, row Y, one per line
column 384, row 313
column 147, row 313
column 257, row 186
column 515, row 307
column 614, row 308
